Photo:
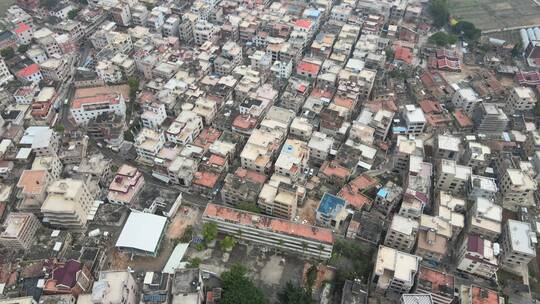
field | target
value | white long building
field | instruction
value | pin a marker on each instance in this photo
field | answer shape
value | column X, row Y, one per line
column 85, row 108
column 273, row 232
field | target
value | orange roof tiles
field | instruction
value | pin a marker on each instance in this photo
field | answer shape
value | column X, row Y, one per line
column 32, row 181
column 483, row 296
column 403, row 54
column 269, row 223
column 334, row 169
column 29, row 70
column 363, row 182
column 303, row 23
column 244, row 122
column 205, row 179
column 345, row 102
column 251, row 175
column 21, row 28
column 308, row 67
column 353, row 197
column 105, row 98
column 462, row 119
column 217, row 160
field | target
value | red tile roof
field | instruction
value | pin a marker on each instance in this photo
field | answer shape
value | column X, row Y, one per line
column 403, row 54
column 22, row 27
column 28, row 71
column 462, row 119
column 269, row 224
column 303, row 23
column 308, row 67
column 205, row 179
column 483, row 296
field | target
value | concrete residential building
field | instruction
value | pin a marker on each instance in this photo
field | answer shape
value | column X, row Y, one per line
column 415, row 121
column 394, row 270
column 42, row 140
column 517, row 189
column 5, row 75
column 405, row 148
column 154, row 115
column 482, row 186
column 46, row 39
column 85, row 109
column 293, row 159
column 19, row 231
column 452, row 177
column 521, row 99
column 126, row 185
column 490, row 119
column 433, row 238
column 447, row 147
column 186, row 127
column 331, row 211
column 476, row 156
column 260, row 150
column 282, row 234
column 114, row 287
column 147, row 144
column 187, row 286
column 467, row 99
column 32, row 187
column 301, row 128
column 439, row 285
column 477, row 256
column 68, row 203
column 518, row 246
column 320, row 146
column 55, row 69
column 401, row 234
column 280, row 197
column 242, row 186
column 485, row 218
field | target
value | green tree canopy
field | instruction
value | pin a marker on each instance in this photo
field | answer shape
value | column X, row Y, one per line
column 227, row 243
column 73, row 13
column 294, row 294
column 7, row 53
column 48, row 4
column 59, row 128
column 247, row 206
column 210, row 231
column 469, row 31
column 238, row 288
column 439, row 12
column 194, row 263
column 22, row 48
column 442, row 39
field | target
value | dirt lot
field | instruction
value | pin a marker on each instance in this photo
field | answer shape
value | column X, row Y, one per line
column 269, row 270
column 307, row 212
column 175, row 229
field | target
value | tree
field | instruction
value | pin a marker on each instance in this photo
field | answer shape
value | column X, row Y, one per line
column 311, row 276
column 468, row 30
column 517, row 49
column 442, row 39
column 73, row 13
column 194, row 263
column 294, row 294
column 83, row 2
column 247, row 206
column 188, row 234
column 389, row 54
column 7, row 53
column 227, row 243
column 439, row 12
column 210, row 231
column 238, row 288
column 128, row 136
column 22, row 48
column 59, row 128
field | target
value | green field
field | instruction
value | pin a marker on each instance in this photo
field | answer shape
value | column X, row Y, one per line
column 496, row 14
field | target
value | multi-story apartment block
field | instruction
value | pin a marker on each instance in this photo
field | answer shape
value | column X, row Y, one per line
column 320, row 145
column 477, row 256
column 405, row 148
column 5, row 75
column 186, row 127
column 518, row 246
column 126, row 185
column 490, row 119
column 55, row 69
column 521, row 99
column 281, row 234
column 466, row 99
column 517, row 189
column 85, row 109
column 439, row 285
column 413, row 122
column 68, row 203
column 402, row 233
column 482, row 186
column 121, row 14
column 43, row 140
column 147, row 144
column 485, row 218
column 447, row 147
column 280, row 197
column 46, row 39
column 204, row 31
column 154, row 115
column 170, row 27
column 293, row 159
column 395, row 271
column 242, row 186
column 476, row 156
column 433, row 238
column 260, row 150
column 19, row 231
column 452, row 177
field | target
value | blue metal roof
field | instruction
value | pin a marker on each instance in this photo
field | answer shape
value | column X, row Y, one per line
column 330, row 204
column 383, row 192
